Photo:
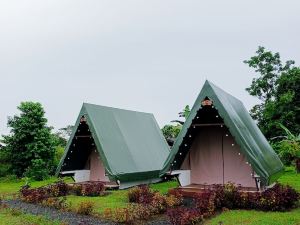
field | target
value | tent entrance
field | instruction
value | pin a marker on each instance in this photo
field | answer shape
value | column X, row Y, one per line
column 83, row 159
column 210, row 154
column 215, row 158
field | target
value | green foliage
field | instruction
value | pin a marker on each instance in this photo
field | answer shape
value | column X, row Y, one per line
column 171, row 131
column 289, row 148
column 278, row 88
column 38, row 170
column 186, row 112
column 29, row 145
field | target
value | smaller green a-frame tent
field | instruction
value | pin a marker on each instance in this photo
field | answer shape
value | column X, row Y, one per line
column 114, row 145
column 221, row 143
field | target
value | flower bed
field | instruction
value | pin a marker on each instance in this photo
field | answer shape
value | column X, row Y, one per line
column 205, row 204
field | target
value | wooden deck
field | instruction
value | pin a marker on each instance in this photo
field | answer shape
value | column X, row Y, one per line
column 192, row 189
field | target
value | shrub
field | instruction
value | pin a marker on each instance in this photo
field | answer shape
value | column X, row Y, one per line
column 129, row 214
column 89, row 189
column 205, row 203
column 141, row 194
column 38, row 195
column 38, row 170
column 57, row 203
column 59, row 188
column 278, row 198
column 287, row 150
column 86, row 208
column 35, row 195
column 184, row 216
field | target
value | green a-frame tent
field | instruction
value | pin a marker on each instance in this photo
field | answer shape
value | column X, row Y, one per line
column 115, row 145
column 220, row 142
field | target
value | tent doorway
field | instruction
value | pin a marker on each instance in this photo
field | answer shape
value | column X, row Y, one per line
column 215, row 158
column 96, row 167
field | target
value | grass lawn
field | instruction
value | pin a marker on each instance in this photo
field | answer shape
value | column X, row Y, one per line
column 14, row 217
column 251, row 217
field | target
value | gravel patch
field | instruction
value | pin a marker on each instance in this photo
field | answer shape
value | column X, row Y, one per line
column 70, row 218
column 50, row 213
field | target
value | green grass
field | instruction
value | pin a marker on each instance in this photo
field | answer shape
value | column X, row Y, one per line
column 15, row 217
column 291, row 178
column 251, row 217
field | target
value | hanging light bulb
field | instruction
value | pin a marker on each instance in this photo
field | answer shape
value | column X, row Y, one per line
column 180, row 153
column 226, row 135
column 190, row 136
column 239, row 153
column 217, row 116
column 232, row 144
column 185, row 145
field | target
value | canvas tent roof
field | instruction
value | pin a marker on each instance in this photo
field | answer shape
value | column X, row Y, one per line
column 130, row 144
column 252, row 142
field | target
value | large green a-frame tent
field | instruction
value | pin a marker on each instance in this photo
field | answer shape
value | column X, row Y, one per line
column 221, row 143
column 115, row 145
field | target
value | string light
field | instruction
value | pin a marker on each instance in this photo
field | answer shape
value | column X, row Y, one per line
column 185, row 145
column 221, row 125
column 194, row 127
column 232, row 144
column 247, row 163
column 74, row 145
column 226, row 135
column 217, row 116
column 190, row 136
column 239, row 153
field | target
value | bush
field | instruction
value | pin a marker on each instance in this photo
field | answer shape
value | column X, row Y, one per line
column 89, row 189
column 38, row 195
column 86, row 208
column 287, row 151
column 59, row 188
column 57, row 203
column 38, row 170
column 130, row 214
column 35, row 195
column 184, row 216
column 205, row 203
column 141, row 194
column 278, row 198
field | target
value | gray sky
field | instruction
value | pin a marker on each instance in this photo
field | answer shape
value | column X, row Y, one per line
column 151, row 56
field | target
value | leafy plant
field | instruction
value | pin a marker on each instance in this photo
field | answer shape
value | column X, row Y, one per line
column 184, row 216
column 86, row 208
column 89, row 189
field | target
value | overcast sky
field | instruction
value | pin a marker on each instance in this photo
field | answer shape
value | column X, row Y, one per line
column 151, row 56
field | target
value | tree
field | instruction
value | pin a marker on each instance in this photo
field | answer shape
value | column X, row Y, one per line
column 170, row 131
column 30, row 145
column 277, row 87
column 289, row 147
